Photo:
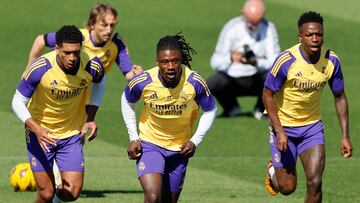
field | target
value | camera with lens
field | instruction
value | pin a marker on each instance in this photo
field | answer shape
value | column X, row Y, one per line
column 249, row 55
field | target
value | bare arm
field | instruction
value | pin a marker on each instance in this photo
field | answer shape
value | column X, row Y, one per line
column 90, row 123
column 341, row 105
column 36, row 49
column 269, row 103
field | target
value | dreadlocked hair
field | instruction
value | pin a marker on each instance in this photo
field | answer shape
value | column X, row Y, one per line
column 68, row 34
column 178, row 42
column 310, row 16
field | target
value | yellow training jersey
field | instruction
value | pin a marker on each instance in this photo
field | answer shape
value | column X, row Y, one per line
column 169, row 114
column 113, row 51
column 298, row 84
column 58, row 97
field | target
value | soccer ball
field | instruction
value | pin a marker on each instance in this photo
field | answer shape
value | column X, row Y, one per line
column 22, row 178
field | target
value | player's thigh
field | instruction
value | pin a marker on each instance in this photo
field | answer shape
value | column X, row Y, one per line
column 286, row 176
column 44, row 181
column 151, row 183
column 313, row 160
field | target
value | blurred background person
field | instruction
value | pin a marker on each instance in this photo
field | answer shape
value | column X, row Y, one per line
column 245, row 51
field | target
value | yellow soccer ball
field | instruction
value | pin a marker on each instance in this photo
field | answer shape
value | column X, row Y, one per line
column 22, row 178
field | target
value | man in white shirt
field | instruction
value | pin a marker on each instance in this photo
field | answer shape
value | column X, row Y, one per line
column 245, row 51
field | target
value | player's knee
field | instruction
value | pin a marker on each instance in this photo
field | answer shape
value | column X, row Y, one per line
column 46, row 194
column 314, row 184
column 287, row 188
column 152, row 197
column 75, row 193
column 70, row 194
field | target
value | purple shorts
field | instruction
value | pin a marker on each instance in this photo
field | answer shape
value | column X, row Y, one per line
column 171, row 164
column 68, row 154
column 299, row 140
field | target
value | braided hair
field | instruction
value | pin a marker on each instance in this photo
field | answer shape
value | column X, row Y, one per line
column 310, row 16
column 177, row 42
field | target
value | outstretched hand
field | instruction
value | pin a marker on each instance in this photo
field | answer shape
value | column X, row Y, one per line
column 137, row 69
column 134, row 149
column 188, row 149
column 89, row 125
column 346, row 148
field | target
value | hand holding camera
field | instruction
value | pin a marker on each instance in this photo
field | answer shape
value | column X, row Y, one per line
column 245, row 56
column 249, row 55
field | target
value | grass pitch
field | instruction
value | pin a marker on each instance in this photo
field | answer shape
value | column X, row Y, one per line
column 229, row 166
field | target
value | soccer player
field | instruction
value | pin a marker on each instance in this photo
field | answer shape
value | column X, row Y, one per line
column 50, row 100
column 172, row 94
column 292, row 99
column 99, row 39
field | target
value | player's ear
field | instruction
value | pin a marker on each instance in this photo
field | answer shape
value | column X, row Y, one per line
column 299, row 36
column 92, row 25
column 57, row 48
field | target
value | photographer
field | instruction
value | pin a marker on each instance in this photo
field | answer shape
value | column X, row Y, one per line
column 246, row 48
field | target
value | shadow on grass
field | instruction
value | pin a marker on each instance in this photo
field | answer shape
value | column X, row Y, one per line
column 102, row 193
column 241, row 114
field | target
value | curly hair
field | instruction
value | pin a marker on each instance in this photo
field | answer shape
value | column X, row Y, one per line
column 68, row 34
column 177, row 42
column 310, row 16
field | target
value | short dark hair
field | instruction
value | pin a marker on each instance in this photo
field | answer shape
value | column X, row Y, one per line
column 177, row 42
column 310, row 16
column 68, row 34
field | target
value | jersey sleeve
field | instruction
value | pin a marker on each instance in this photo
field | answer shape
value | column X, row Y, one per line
column 32, row 76
column 123, row 59
column 278, row 73
column 50, row 39
column 336, row 82
column 203, row 96
column 136, row 86
column 96, row 69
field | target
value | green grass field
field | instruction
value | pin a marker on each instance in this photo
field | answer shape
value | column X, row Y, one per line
column 229, row 166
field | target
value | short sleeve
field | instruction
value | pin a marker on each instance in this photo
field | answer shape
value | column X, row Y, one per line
column 96, row 69
column 136, row 86
column 203, row 96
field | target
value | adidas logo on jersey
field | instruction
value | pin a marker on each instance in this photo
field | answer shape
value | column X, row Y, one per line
column 299, row 74
column 53, row 83
column 154, row 96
